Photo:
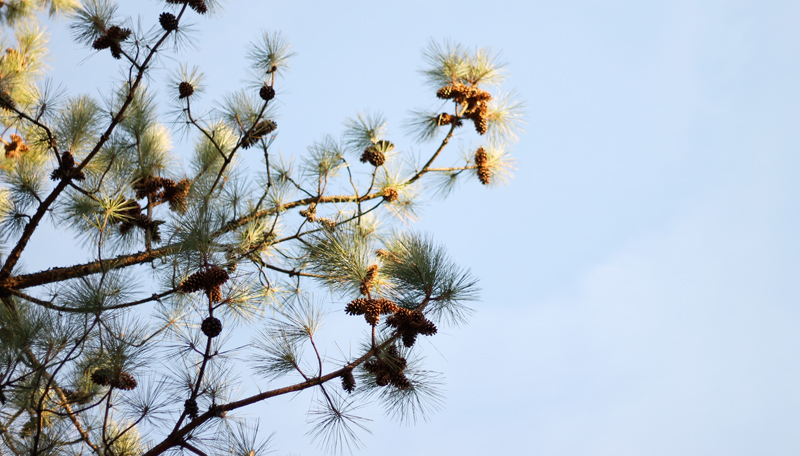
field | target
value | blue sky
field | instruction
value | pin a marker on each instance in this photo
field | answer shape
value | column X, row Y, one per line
column 639, row 273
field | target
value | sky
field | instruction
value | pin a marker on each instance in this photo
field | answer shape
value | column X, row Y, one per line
column 639, row 272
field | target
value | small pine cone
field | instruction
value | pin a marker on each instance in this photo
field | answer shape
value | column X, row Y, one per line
column 400, row 381
column 311, row 213
column 444, row 119
column 168, row 21
column 5, row 100
column 373, row 156
column 357, row 306
column 484, row 175
column 116, row 50
column 211, row 327
column 103, row 42
column 102, row 376
column 481, row 157
column 460, row 93
column 387, row 306
column 193, row 283
column 372, row 318
column 177, row 194
column 390, row 195
column 215, row 294
column 216, row 276
column 409, row 338
column 445, row 93
column 481, row 124
column 369, row 279
column 185, row 89
column 125, row 381
column 266, row 93
column 117, row 33
column 191, row 408
column 199, row 6
column 348, row 381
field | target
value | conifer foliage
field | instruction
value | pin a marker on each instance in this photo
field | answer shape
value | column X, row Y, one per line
column 197, row 272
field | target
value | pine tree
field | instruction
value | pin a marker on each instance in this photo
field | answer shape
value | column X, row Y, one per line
column 136, row 342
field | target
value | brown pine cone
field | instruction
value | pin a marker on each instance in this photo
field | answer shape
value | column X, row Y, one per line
column 348, row 381
column 125, row 381
column 373, row 156
column 168, row 21
column 211, row 327
column 185, row 89
column 191, row 408
column 266, row 93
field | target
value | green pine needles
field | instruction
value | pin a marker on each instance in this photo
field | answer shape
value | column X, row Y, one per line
column 193, row 276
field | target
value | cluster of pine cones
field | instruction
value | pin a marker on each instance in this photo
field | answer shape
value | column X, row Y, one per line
column 115, row 378
column 388, row 369
column 474, row 99
column 310, row 213
column 409, row 324
column 67, row 169
column 132, row 216
column 111, row 39
column 376, row 153
column 484, row 173
column 371, row 309
column 164, row 190
column 209, row 280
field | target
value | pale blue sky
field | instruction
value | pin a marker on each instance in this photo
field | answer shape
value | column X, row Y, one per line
column 640, row 272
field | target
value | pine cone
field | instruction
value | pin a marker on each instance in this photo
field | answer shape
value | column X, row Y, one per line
column 211, row 327
column 199, row 6
column 5, row 100
column 390, row 195
column 176, row 195
column 484, row 175
column 168, row 21
column 118, row 34
column 102, row 376
column 266, row 93
column 373, row 156
column 369, row 279
column 481, row 157
column 193, row 283
column 357, row 306
column 348, row 381
column 215, row 294
column 125, row 381
column 185, row 89
column 191, row 408
column 216, row 276
column 445, row 92
column 102, row 42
